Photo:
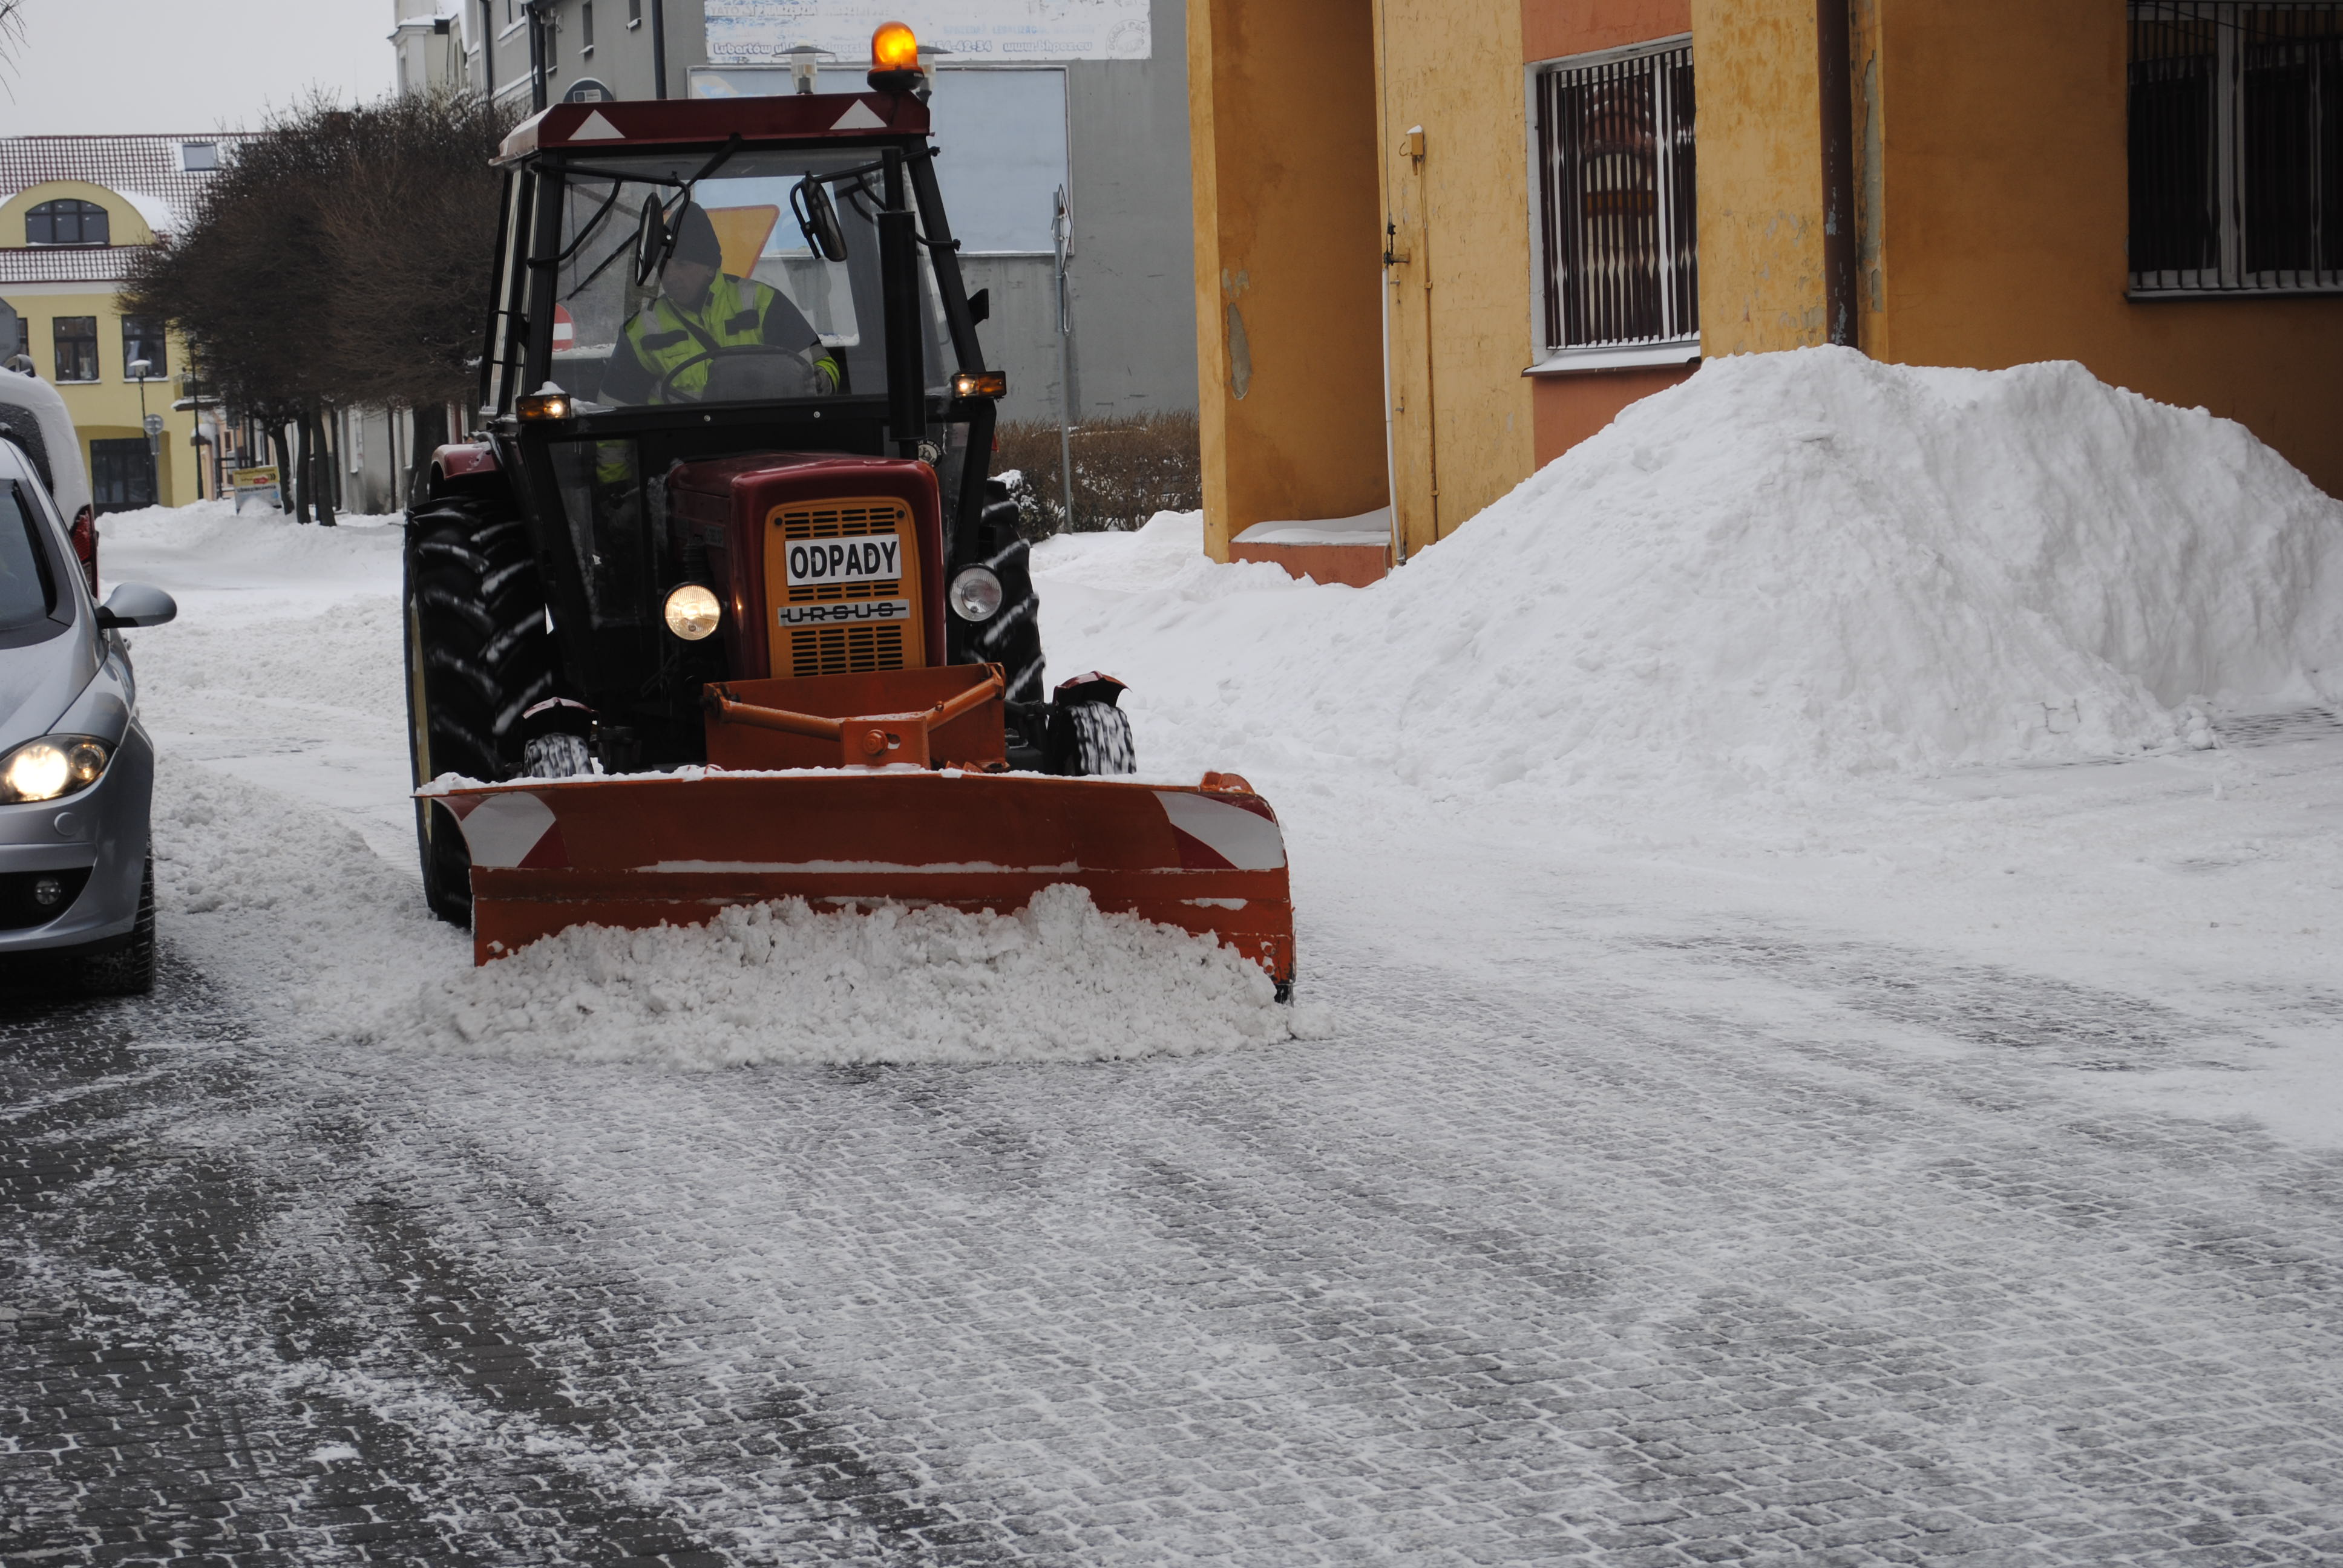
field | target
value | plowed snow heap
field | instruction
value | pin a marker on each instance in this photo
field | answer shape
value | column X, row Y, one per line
column 1811, row 565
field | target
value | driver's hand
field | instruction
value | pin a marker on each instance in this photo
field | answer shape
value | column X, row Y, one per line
column 826, row 377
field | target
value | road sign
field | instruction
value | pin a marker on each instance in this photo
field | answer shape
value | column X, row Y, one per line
column 154, row 424
column 256, row 489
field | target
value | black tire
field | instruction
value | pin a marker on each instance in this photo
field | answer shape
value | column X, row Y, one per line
column 128, row 970
column 477, row 656
column 1090, row 741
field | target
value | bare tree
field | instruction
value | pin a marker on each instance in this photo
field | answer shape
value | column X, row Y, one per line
column 339, row 260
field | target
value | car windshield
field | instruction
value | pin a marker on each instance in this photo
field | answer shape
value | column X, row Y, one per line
column 746, row 307
column 26, row 592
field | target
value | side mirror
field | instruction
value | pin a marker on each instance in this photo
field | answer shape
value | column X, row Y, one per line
column 136, row 604
column 816, row 217
column 651, row 241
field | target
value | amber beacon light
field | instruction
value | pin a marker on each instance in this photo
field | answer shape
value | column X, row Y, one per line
column 894, row 59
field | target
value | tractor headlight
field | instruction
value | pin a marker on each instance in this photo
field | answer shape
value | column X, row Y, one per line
column 52, row 765
column 693, row 612
column 976, row 594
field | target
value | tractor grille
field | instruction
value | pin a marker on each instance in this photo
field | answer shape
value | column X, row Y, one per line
column 844, row 650
column 840, row 650
column 847, row 520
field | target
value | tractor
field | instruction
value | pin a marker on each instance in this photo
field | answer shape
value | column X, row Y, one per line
column 722, row 604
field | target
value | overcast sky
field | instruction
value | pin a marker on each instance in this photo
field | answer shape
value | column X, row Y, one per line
column 91, row 66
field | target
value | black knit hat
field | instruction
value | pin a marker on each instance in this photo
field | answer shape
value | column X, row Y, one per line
column 695, row 238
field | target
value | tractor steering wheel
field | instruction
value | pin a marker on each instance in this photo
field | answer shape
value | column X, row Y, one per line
column 805, row 382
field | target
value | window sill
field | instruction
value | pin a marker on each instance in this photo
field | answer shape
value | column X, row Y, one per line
column 1621, row 357
column 2154, row 295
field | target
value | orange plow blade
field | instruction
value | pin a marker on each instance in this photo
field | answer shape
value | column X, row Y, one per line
column 674, row 849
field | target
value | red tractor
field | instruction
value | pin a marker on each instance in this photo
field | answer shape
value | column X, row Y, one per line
column 725, row 604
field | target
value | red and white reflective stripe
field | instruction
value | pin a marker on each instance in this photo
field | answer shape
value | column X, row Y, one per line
column 1214, row 833
column 565, row 329
column 510, row 828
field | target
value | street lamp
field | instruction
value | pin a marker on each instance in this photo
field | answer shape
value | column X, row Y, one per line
column 139, row 370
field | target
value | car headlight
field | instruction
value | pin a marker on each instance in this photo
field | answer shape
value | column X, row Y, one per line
column 693, row 612
column 52, row 765
column 976, row 594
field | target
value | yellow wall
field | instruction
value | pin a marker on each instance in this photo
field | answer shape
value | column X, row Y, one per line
column 1463, row 423
column 2004, row 215
column 1760, row 171
column 1289, row 351
column 109, row 407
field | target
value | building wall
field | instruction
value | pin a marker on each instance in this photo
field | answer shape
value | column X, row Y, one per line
column 2002, row 218
column 1462, row 412
column 1287, row 221
column 1760, row 171
column 1130, row 278
column 1567, row 407
column 109, row 408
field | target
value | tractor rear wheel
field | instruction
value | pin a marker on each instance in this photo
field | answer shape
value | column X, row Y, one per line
column 478, row 656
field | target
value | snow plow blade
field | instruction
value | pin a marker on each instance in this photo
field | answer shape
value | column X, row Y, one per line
column 675, row 849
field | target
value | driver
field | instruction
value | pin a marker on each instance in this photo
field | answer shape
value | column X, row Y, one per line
column 672, row 343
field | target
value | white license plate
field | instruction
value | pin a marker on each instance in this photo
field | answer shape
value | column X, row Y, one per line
column 878, row 559
column 857, row 612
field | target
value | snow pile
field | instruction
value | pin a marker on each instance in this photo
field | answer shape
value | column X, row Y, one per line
column 219, row 564
column 779, row 983
column 1807, row 565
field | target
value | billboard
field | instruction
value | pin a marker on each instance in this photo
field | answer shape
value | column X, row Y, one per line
column 961, row 32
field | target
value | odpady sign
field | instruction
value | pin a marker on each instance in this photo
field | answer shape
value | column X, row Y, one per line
column 873, row 559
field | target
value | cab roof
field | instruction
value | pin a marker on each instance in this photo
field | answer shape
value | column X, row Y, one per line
column 682, row 122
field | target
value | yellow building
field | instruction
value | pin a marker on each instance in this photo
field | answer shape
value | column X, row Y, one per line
column 71, row 211
column 1439, row 242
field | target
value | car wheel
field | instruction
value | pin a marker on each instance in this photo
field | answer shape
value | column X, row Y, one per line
column 126, row 971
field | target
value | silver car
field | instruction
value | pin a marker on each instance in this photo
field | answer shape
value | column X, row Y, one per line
column 77, row 769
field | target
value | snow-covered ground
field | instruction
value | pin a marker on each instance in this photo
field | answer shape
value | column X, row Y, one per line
column 1827, row 900
column 1923, row 657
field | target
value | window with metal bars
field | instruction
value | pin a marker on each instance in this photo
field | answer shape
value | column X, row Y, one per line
column 1617, row 222
column 2235, row 115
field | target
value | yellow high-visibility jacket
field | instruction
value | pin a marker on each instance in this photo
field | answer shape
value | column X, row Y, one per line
column 738, row 312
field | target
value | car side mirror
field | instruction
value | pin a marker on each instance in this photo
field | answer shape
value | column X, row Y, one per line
column 816, row 217
column 651, row 241
column 136, row 604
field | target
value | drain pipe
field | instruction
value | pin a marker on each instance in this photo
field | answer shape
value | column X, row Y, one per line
column 1835, row 77
column 1061, row 239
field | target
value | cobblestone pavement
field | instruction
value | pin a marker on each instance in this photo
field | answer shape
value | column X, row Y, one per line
column 1627, row 1247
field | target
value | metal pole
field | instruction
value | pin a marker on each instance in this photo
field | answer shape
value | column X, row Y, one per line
column 1061, row 237
column 659, row 45
column 1835, row 77
column 535, row 55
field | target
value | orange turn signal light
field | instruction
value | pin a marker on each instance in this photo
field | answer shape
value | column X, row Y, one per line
column 894, row 48
column 980, row 384
column 544, row 406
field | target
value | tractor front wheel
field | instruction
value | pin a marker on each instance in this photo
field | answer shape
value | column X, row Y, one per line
column 477, row 656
